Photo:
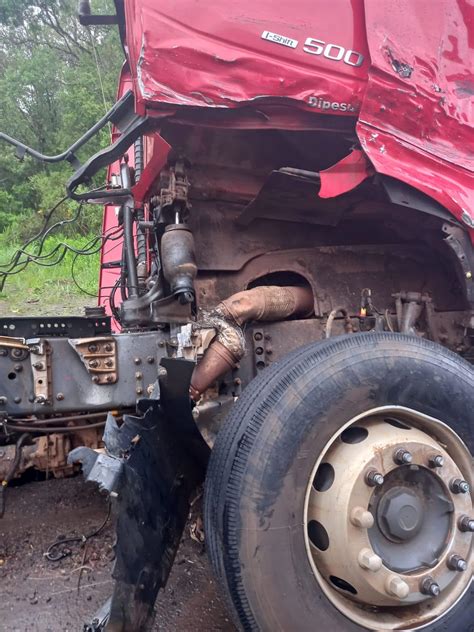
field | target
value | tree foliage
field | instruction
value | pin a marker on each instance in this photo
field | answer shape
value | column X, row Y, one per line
column 56, row 79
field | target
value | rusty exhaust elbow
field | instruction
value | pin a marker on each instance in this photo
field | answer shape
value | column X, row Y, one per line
column 265, row 303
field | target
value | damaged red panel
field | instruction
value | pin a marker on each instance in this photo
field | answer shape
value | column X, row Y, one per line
column 225, row 55
column 417, row 117
column 345, row 175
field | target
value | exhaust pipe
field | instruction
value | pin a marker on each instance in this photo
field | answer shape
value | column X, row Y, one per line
column 265, row 303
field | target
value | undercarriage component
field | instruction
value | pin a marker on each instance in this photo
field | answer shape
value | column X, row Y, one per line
column 47, row 453
column 179, row 261
column 99, row 356
column 60, row 381
column 265, row 303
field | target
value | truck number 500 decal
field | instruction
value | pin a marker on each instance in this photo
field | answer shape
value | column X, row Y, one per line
column 318, row 47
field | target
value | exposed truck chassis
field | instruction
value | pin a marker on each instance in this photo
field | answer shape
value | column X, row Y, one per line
column 229, row 262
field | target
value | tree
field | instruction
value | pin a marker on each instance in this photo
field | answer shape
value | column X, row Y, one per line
column 56, row 79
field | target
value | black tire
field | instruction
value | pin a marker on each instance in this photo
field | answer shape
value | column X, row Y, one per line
column 264, row 454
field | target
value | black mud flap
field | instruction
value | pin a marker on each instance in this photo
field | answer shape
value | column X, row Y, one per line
column 152, row 465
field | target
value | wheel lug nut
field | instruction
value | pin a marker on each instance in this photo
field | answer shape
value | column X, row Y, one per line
column 362, row 518
column 397, row 587
column 437, row 460
column 458, row 486
column 374, row 478
column 466, row 524
column 429, row 587
column 369, row 560
column 456, row 563
column 402, row 457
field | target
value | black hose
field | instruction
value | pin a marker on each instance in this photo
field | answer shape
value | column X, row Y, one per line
column 51, row 429
column 22, row 149
column 128, row 210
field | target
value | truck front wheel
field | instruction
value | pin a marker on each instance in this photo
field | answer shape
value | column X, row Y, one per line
column 338, row 494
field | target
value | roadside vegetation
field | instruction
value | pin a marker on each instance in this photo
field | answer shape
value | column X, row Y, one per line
column 56, row 80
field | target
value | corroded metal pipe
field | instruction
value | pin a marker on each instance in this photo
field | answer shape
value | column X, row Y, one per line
column 265, row 303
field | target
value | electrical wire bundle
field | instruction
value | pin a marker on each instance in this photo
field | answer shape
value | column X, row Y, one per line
column 24, row 256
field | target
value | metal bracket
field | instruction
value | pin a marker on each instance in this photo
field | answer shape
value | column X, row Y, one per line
column 459, row 242
column 99, row 356
column 40, row 357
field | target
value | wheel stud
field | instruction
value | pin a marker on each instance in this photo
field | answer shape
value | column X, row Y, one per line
column 369, row 560
column 429, row 587
column 397, row 587
column 437, row 460
column 458, row 486
column 456, row 563
column 466, row 524
column 362, row 518
column 402, row 457
column 374, row 478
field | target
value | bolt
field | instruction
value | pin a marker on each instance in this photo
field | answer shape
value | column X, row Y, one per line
column 161, row 343
column 458, row 486
column 269, row 351
column 109, row 363
column 259, row 350
column 397, row 587
column 457, row 563
column 369, row 560
column 41, row 399
column 268, row 337
column 16, row 353
column 402, row 457
column 17, row 400
column 162, row 372
column 137, row 360
column 150, row 359
column 60, row 397
column 3, row 352
column 109, row 378
column 362, row 518
column 38, row 365
column 93, row 364
column 374, row 478
column 139, row 391
column 95, row 379
column 18, row 368
column 466, row 524
column 429, row 587
column 258, row 335
column 138, row 375
column 33, row 349
column 108, row 347
column 92, row 348
column 468, row 275
column 237, row 381
column 436, row 460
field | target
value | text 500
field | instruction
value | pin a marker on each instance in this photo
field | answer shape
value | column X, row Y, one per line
column 333, row 51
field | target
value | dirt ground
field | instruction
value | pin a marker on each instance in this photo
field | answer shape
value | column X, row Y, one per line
column 43, row 596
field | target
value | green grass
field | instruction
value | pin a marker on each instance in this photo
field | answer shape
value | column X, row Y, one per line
column 50, row 290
